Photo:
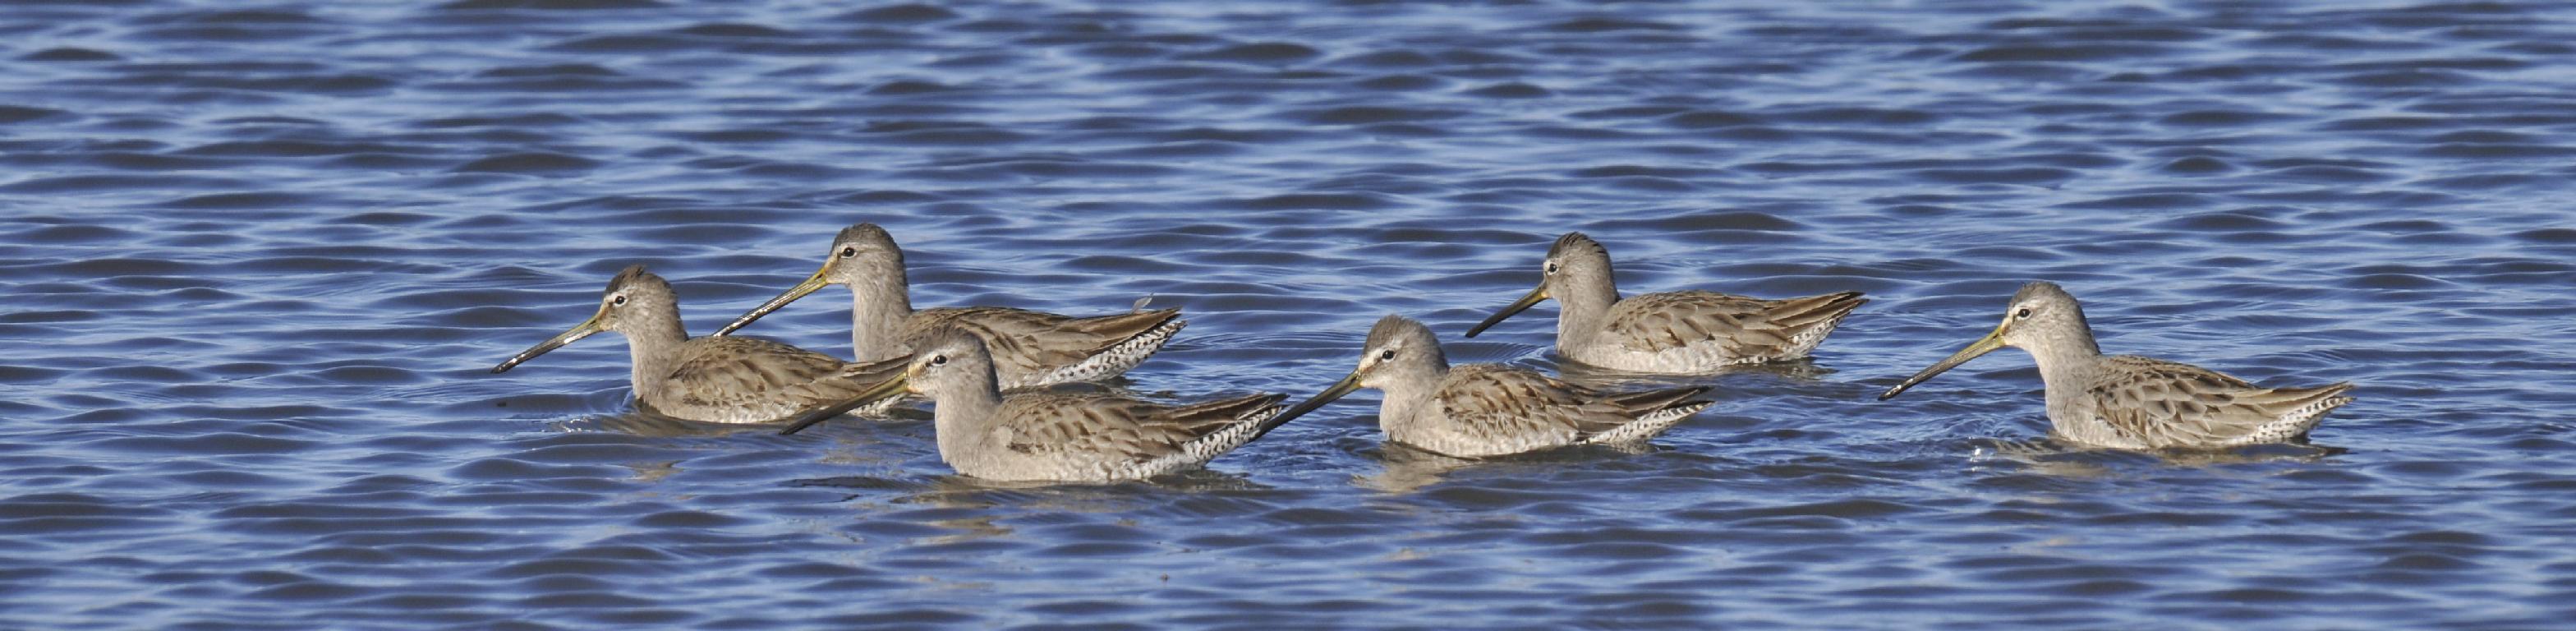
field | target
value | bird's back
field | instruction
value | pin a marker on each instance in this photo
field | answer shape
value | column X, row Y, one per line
column 733, row 379
column 1036, row 348
column 2141, row 402
column 1701, row 331
column 1482, row 410
column 1093, row 436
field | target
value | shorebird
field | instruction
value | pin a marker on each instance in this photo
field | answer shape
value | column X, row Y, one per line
column 1029, row 348
column 1052, row 435
column 2131, row 402
column 1483, row 410
column 1681, row 332
column 711, row 379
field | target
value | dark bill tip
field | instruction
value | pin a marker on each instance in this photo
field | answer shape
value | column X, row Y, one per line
column 1529, row 300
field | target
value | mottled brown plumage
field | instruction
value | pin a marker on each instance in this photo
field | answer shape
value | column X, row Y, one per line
column 1116, row 429
column 711, row 379
column 1754, row 330
column 743, row 380
column 2143, row 402
column 2131, row 402
column 1482, row 410
column 1682, row 332
column 1050, row 435
column 1030, row 348
column 1035, row 348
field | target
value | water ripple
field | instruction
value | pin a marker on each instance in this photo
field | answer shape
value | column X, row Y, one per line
column 264, row 257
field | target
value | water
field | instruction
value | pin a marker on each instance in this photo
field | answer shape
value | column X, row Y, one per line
column 258, row 259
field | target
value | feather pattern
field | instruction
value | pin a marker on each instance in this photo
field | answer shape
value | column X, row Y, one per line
column 2132, row 402
column 1058, row 435
column 1483, row 410
column 1035, row 348
column 1094, row 437
column 1693, row 331
column 2141, row 403
column 750, row 380
column 713, row 379
column 1030, row 348
column 1680, row 332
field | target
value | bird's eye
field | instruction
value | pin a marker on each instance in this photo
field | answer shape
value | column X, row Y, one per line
column 1386, row 354
column 1551, row 268
column 2023, row 314
column 939, row 360
column 620, row 300
column 849, row 252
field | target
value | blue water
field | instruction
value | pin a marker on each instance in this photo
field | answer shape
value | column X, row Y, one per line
column 259, row 256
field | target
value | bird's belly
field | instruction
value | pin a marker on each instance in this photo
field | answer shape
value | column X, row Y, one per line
column 705, row 411
column 1438, row 435
column 746, row 409
column 1018, row 467
column 1693, row 359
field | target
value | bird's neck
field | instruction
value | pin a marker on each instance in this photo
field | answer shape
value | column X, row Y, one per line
column 963, row 416
column 1411, row 393
column 1582, row 306
column 877, row 313
column 649, row 347
column 2065, row 364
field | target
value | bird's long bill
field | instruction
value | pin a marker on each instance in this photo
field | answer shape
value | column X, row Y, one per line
column 812, row 284
column 1527, row 301
column 891, row 388
column 585, row 329
column 1343, row 387
column 1988, row 344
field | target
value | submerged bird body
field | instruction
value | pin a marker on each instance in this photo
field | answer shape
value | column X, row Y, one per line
column 1489, row 410
column 2131, row 402
column 710, row 379
column 1484, row 410
column 1048, row 435
column 1682, row 332
column 2135, row 402
column 1030, row 348
column 717, row 381
column 1093, row 437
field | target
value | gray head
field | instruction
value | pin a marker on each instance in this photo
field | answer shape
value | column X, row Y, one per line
column 863, row 252
column 2041, row 318
column 953, row 367
column 1576, row 255
column 2043, row 315
column 636, row 304
column 1398, row 351
column 1575, row 273
column 862, row 256
column 1399, row 348
column 951, row 362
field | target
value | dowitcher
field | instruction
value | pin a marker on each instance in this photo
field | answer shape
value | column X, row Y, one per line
column 1057, row 435
column 2130, row 402
column 1030, row 348
column 1483, row 410
column 710, row 379
column 1681, row 332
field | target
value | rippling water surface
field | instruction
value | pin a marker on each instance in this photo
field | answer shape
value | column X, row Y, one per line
column 259, row 257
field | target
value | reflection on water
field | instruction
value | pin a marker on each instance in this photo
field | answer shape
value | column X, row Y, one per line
column 1404, row 469
column 649, row 472
column 642, row 423
column 2059, row 458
